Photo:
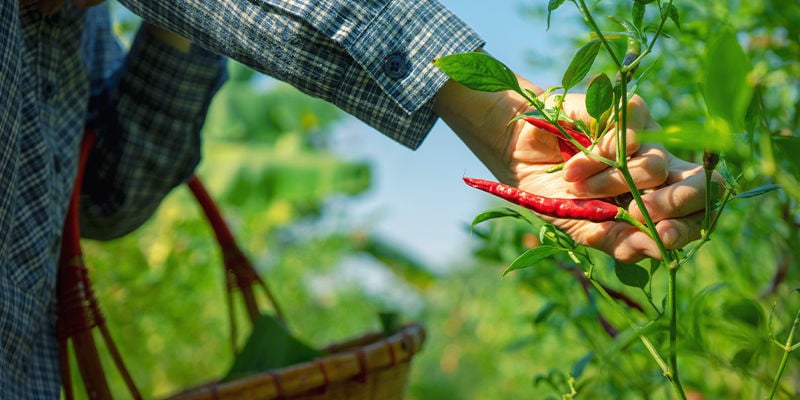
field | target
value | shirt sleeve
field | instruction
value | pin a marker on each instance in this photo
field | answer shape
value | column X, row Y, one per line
column 373, row 59
column 148, row 115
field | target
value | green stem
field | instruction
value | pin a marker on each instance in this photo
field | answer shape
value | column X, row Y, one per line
column 633, row 64
column 787, row 350
column 672, row 304
column 647, row 343
column 587, row 16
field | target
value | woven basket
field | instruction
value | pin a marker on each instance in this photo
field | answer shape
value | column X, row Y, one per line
column 371, row 367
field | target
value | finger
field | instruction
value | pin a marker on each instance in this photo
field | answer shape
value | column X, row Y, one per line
column 677, row 233
column 648, row 169
column 674, row 201
column 620, row 240
column 639, row 117
column 674, row 233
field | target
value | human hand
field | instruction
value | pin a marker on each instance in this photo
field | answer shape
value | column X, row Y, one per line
column 50, row 7
column 674, row 188
column 521, row 155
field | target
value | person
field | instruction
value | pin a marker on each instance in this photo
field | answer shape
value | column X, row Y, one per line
column 61, row 71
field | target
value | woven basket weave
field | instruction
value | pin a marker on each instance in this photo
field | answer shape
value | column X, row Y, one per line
column 371, row 367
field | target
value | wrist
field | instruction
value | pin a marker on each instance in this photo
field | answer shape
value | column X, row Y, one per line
column 481, row 121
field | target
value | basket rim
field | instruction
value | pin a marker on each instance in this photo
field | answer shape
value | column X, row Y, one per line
column 351, row 359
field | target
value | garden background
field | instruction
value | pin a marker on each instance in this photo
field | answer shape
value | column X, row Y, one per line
column 344, row 224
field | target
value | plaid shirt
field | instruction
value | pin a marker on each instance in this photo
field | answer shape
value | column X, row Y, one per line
column 372, row 58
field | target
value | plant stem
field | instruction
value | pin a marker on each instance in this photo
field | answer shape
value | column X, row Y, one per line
column 672, row 304
column 647, row 343
column 587, row 16
column 787, row 350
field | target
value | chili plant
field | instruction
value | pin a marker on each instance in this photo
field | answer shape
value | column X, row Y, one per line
column 729, row 100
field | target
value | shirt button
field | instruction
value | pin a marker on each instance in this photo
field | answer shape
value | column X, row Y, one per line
column 396, row 66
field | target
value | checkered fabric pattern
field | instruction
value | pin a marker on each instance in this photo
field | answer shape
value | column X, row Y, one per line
column 339, row 50
column 372, row 58
column 147, row 108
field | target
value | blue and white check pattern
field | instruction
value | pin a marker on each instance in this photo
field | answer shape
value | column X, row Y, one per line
column 372, row 58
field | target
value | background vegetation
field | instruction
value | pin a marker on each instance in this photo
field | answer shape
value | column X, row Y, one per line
column 268, row 163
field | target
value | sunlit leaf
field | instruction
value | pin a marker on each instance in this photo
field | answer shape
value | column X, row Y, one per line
column 726, row 88
column 533, row 256
column 494, row 214
column 672, row 13
column 755, row 111
column 638, row 14
column 478, row 71
column 599, row 95
column 631, row 274
column 580, row 64
column 715, row 135
column 552, row 6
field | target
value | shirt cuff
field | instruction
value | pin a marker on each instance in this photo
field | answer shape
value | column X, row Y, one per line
column 396, row 51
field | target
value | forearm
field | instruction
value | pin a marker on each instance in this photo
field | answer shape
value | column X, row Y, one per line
column 372, row 59
column 148, row 131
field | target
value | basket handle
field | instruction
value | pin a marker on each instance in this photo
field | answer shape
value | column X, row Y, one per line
column 239, row 272
column 78, row 311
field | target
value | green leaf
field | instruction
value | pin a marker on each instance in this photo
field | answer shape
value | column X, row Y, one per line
column 478, row 71
column 726, row 88
column 599, row 96
column 580, row 366
column 552, row 6
column 631, row 274
column 743, row 358
column 638, row 14
column 544, row 312
column 533, row 256
column 755, row 111
column 786, row 150
column 758, row 191
column 714, row 135
column 580, row 64
column 269, row 346
column 746, row 311
column 494, row 214
column 672, row 13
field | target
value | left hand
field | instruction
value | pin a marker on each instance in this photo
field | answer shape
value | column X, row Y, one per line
column 50, row 7
column 520, row 154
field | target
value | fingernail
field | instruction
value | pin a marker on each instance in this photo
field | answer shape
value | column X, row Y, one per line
column 573, row 172
column 670, row 236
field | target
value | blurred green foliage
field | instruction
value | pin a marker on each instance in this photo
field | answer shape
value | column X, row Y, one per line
column 519, row 336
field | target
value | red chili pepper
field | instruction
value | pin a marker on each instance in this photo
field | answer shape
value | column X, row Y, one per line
column 567, row 148
column 594, row 210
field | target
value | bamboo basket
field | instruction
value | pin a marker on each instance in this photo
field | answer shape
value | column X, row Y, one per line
column 370, row 367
